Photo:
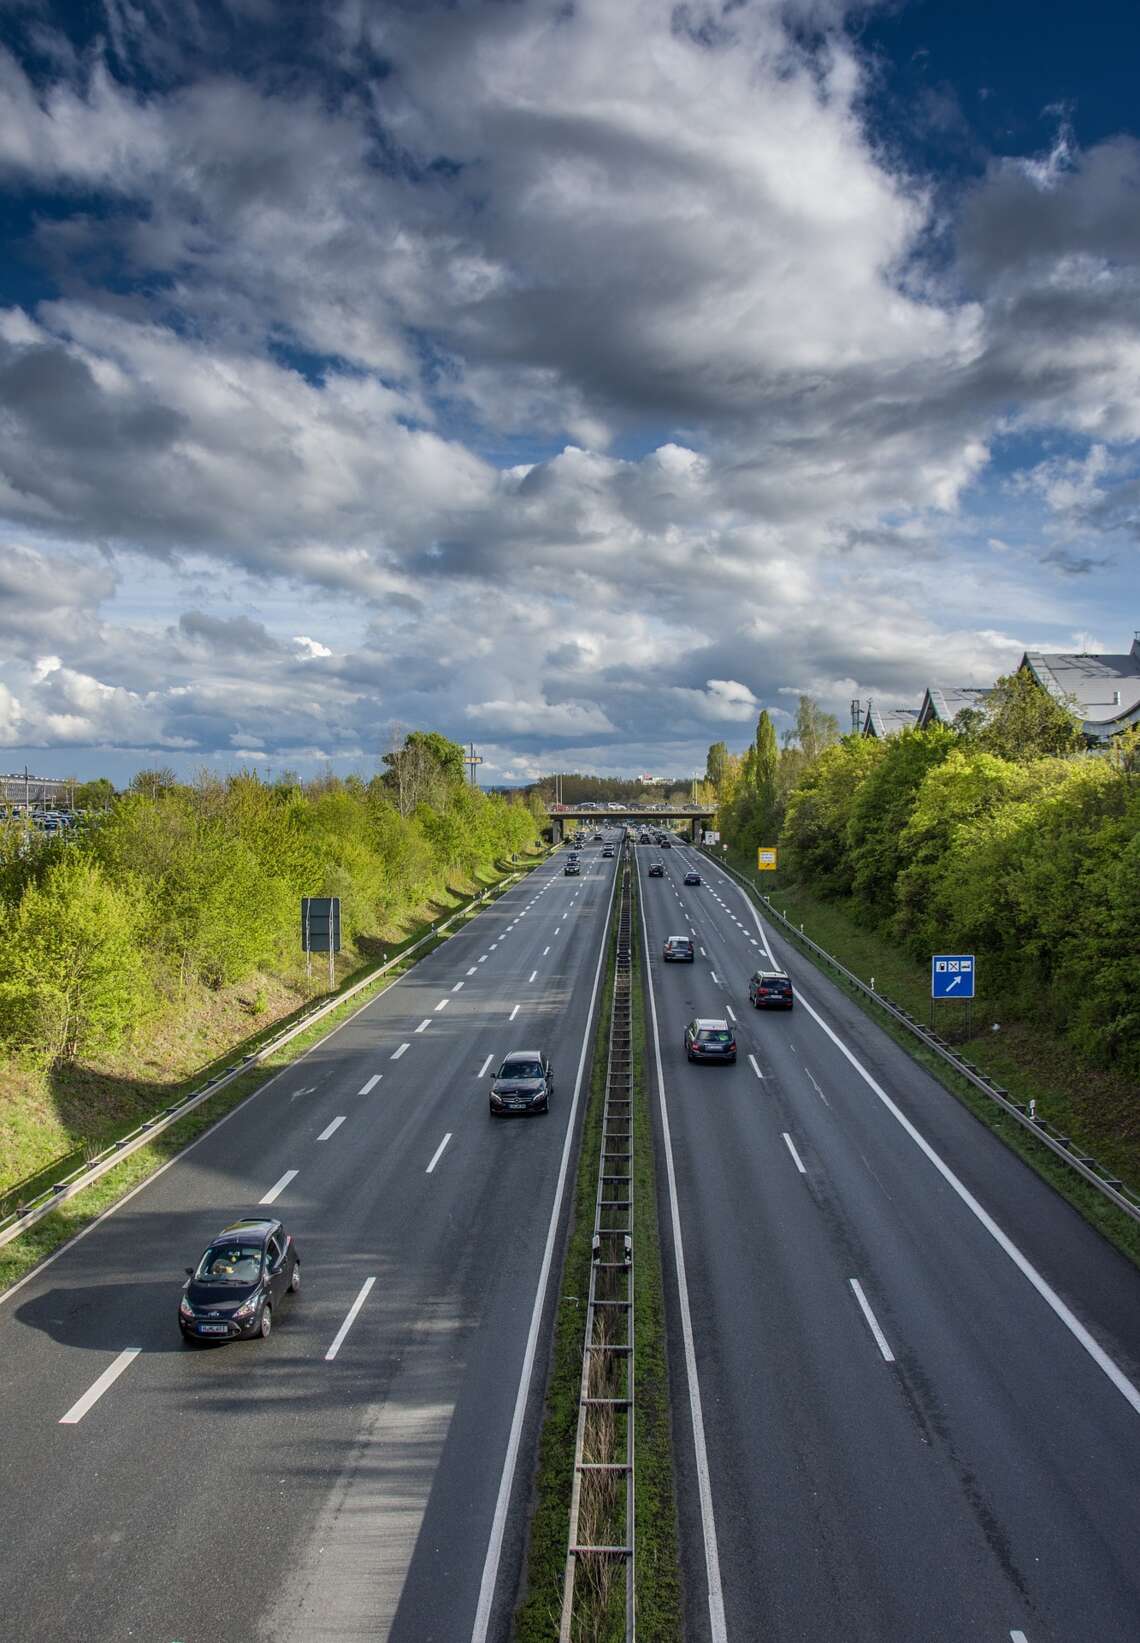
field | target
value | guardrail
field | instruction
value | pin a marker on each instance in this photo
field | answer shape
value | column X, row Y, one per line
column 601, row 1511
column 1104, row 1180
column 26, row 1215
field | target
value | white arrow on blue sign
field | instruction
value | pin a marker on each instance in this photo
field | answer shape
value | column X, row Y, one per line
column 952, row 975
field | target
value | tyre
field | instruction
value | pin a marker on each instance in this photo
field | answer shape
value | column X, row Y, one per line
column 295, row 1279
column 265, row 1322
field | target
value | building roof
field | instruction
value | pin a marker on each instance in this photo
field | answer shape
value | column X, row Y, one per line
column 1106, row 689
column 943, row 703
column 888, row 721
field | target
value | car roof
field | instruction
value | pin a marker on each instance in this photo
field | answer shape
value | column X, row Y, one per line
column 523, row 1055
column 259, row 1229
column 782, row 974
column 711, row 1023
column 687, row 939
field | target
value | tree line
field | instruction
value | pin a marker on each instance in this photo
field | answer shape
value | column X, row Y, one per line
column 180, row 885
column 1002, row 835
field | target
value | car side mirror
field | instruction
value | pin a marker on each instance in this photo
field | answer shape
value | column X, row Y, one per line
column 189, row 1271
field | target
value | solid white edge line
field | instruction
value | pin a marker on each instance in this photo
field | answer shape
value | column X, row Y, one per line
column 371, row 1084
column 872, row 1321
column 482, row 1073
column 755, row 1066
column 795, row 1155
column 708, row 1522
column 279, row 1187
column 396, row 1054
column 95, row 1391
column 331, row 1129
column 506, row 1482
column 338, row 1338
column 438, row 1153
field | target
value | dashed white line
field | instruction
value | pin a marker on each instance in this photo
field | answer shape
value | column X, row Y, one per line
column 482, row 1073
column 545, row 950
column 514, row 1012
column 278, row 1188
column 493, row 945
column 331, row 1130
column 396, row 1054
column 731, row 1012
column 95, row 1391
column 471, row 971
column 703, row 953
column 424, row 1024
column 338, row 1339
column 442, row 1005
column 482, row 959
column 872, row 1321
column 371, row 1084
column 438, row 1153
column 755, row 1066
column 794, row 1153
column 1018, row 1637
column 459, row 984
column 713, row 973
column 533, row 973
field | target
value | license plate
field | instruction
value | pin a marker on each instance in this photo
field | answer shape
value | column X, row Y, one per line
column 212, row 1329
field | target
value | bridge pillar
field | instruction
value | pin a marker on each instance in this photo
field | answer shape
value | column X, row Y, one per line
column 556, row 829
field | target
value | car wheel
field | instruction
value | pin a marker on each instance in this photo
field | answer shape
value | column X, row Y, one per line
column 732, row 1061
column 265, row 1322
column 295, row 1279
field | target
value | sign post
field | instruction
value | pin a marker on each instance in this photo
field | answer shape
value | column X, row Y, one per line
column 952, row 975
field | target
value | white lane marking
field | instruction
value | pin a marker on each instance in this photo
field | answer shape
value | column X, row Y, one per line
column 506, row 1482
column 96, row 1390
column 1052, row 1300
column 755, row 1066
column 276, row 1190
column 731, row 1012
column 817, row 1089
column 492, row 947
column 471, row 971
column 872, row 1321
column 459, row 984
column 482, row 959
column 442, row 1005
column 371, row 1084
column 331, row 1130
column 794, row 1153
column 396, row 1054
column 703, row 953
column 717, row 1625
column 533, row 973
column 482, row 1073
column 425, row 1023
column 514, row 1012
column 713, row 973
column 438, row 1153
column 545, row 950
column 338, row 1338
column 1018, row 1637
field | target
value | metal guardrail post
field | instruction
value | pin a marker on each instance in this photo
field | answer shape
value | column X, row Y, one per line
column 606, row 1391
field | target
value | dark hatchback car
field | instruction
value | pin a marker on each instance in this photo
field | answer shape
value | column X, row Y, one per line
column 770, row 990
column 656, row 869
column 710, row 1039
column 666, row 844
column 246, row 1272
column 572, row 867
column 523, row 1083
column 692, row 877
column 678, row 949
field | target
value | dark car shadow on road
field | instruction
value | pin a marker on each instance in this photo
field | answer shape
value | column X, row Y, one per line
column 92, row 1317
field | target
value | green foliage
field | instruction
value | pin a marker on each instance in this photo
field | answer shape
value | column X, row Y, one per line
column 880, row 810
column 716, row 764
column 815, row 827
column 815, row 730
column 1022, row 721
column 96, row 795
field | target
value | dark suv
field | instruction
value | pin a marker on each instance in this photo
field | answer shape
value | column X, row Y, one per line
column 656, row 869
column 710, row 1039
column 770, row 990
column 247, row 1270
column 678, row 949
column 523, row 1083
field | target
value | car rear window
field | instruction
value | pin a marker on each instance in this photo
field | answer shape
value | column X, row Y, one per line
column 711, row 1035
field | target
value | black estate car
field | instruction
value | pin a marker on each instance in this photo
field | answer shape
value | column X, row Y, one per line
column 247, row 1270
column 710, row 1038
column 523, row 1083
column 770, row 990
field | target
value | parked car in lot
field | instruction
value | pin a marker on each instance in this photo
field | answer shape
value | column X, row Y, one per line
column 692, row 877
column 523, row 1083
column 710, row 1038
column 246, row 1271
column 656, row 869
column 678, row 950
column 770, row 990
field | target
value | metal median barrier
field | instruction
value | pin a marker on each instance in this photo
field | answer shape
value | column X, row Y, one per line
column 1065, row 1148
column 602, row 1500
column 43, row 1203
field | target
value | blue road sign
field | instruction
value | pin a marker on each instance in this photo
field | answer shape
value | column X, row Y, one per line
column 952, row 975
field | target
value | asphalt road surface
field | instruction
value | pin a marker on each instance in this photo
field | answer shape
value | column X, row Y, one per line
column 268, row 1490
column 909, row 1413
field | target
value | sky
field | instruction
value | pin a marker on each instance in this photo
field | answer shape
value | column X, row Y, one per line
column 572, row 377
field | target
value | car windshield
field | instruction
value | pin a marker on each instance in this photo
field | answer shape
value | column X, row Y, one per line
column 521, row 1069
column 230, row 1264
column 714, row 1035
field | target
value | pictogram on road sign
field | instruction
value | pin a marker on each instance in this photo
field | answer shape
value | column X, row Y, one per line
column 952, row 975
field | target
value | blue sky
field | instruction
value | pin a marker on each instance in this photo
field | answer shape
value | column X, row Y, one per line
column 578, row 380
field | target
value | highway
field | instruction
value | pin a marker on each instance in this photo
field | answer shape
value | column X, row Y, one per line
column 909, row 1413
column 351, row 1477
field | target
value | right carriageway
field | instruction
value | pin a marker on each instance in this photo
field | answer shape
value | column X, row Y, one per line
column 916, row 1366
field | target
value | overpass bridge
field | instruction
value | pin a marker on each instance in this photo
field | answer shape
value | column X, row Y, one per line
column 691, row 816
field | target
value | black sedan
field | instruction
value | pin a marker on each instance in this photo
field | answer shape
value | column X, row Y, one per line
column 710, row 1039
column 656, row 869
column 692, row 877
column 524, row 1083
column 247, row 1270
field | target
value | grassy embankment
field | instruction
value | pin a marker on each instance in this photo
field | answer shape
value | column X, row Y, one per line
column 658, row 1590
column 70, row 1111
column 1098, row 1108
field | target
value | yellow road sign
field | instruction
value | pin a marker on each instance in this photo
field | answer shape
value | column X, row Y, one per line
column 766, row 859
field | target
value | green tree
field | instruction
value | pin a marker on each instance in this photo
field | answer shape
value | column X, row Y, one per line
column 95, row 795
column 815, row 730
column 815, row 827
column 766, row 781
column 716, row 764
column 880, row 812
column 1023, row 721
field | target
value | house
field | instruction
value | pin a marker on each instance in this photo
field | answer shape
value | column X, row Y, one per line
column 888, row 721
column 942, row 704
column 1104, row 691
